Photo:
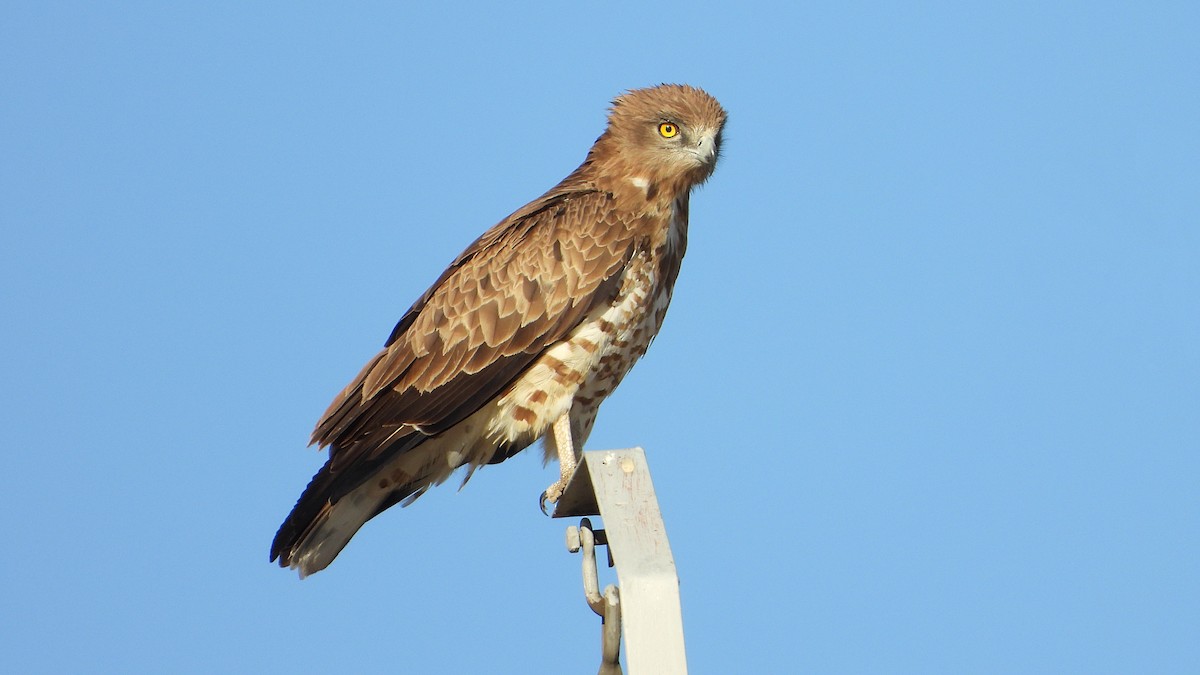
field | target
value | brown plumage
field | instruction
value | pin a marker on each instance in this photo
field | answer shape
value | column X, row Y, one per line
column 524, row 334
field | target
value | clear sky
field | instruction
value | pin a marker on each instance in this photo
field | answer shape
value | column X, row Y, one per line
column 927, row 399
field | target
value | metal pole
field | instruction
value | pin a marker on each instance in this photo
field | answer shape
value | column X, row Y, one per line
column 616, row 485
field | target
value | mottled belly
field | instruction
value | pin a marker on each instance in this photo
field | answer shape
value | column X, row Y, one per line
column 578, row 373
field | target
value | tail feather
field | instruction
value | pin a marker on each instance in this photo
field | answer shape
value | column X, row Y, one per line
column 324, row 537
column 337, row 503
column 321, row 525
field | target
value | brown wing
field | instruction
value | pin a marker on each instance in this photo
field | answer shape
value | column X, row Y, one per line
column 520, row 288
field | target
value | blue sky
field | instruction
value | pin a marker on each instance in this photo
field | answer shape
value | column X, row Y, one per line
column 927, row 399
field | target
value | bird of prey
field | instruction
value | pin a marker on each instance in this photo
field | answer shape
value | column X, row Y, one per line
column 526, row 332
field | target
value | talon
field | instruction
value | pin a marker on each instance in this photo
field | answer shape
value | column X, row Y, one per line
column 551, row 495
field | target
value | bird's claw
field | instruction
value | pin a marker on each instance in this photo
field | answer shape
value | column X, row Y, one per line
column 550, row 495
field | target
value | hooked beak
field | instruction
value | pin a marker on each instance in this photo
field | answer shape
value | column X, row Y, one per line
column 706, row 149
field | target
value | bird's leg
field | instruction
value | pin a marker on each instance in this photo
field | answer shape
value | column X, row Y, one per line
column 561, row 438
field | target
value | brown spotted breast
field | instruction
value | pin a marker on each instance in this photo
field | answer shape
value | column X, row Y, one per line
column 577, row 374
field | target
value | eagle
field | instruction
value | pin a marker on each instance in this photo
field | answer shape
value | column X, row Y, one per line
column 524, row 334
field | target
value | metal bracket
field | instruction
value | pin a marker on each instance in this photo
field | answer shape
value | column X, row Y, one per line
column 608, row 606
column 615, row 484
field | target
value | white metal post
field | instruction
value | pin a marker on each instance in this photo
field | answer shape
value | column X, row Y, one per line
column 615, row 484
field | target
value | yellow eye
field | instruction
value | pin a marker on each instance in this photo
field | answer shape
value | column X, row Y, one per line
column 668, row 130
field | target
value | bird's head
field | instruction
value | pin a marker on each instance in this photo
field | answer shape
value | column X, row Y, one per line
column 668, row 136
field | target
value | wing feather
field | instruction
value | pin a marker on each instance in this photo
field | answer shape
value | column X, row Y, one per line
column 517, row 290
